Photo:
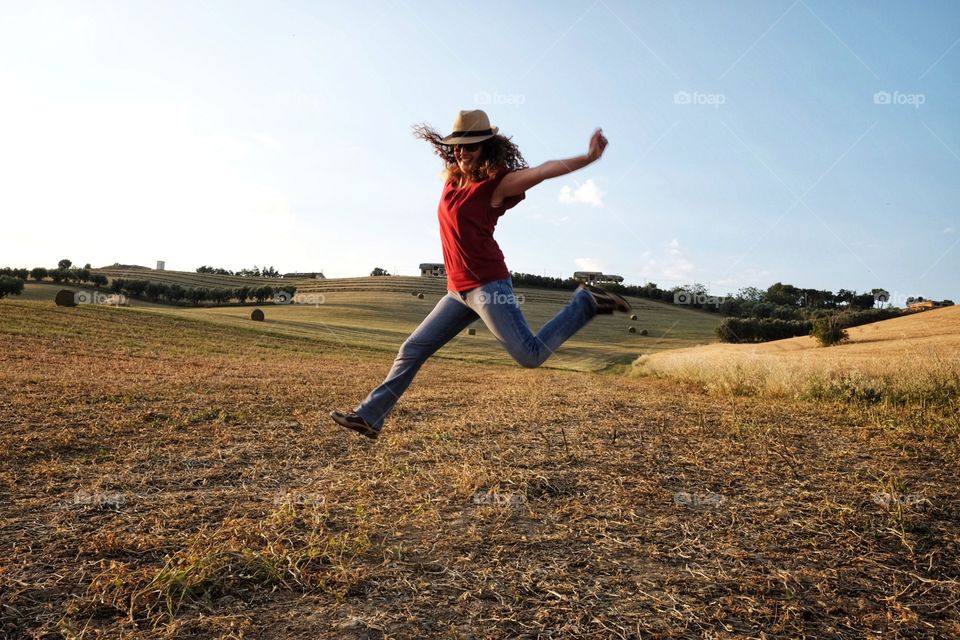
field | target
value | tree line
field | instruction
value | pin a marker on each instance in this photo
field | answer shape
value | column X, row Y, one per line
column 175, row 294
column 255, row 272
column 13, row 279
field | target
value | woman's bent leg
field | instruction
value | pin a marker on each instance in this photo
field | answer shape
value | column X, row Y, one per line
column 499, row 309
column 448, row 318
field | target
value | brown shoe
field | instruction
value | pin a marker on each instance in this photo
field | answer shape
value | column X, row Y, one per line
column 355, row 423
column 607, row 302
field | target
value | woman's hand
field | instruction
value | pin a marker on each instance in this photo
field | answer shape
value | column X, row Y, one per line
column 597, row 144
column 517, row 182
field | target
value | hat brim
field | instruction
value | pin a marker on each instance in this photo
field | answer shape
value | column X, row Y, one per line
column 462, row 139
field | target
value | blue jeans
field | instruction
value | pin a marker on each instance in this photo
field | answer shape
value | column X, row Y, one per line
column 494, row 303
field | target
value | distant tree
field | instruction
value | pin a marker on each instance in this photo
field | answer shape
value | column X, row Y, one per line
column 154, row 290
column 948, row 303
column 760, row 329
column 58, row 275
column 752, row 294
column 98, row 279
column 197, row 294
column 176, row 293
column 64, row 264
column 221, row 295
column 863, row 301
column 214, row 270
column 880, row 296
column 731, row 306
column 785, row 294
column 377, row 271
column 828, row 330
column 10, row 286
column 242, row 293
column 38, row 273
column 844, row 297
column 135, row 288
column 269, row 272
column 816, row 298
column 260, row 294
column 87, row 266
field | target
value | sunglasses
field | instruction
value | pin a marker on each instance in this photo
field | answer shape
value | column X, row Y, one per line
column 473, row 146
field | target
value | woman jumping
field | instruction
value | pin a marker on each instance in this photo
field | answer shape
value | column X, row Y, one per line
column 485, row 175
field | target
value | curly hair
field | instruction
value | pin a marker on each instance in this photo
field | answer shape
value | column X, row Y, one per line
column 496, row 153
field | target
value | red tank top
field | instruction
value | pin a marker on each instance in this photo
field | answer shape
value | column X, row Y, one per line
column 470, row 254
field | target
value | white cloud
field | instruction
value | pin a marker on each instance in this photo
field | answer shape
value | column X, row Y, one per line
column 949, row 231
column 669, row 265
column 588, row 264
column 587, row 193
column 267, row 140
column 749, row 277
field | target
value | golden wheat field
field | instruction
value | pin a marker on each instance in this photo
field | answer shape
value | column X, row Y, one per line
column 912, row 359
column 175, row 477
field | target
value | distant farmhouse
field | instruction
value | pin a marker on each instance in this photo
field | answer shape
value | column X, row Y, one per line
column 595, row 277
column 316, row 275
column 923, row 305
column 433, row 270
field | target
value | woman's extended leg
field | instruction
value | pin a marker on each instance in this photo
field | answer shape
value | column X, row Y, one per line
column 448, row 318
column 498, row 307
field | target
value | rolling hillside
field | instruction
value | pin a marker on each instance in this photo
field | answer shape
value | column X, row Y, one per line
column 903, row 357
column 380, row 312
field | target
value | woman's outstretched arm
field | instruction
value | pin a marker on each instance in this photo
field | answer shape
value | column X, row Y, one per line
column 517, row 182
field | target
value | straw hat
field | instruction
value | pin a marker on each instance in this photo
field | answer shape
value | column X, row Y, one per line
column 470, row 126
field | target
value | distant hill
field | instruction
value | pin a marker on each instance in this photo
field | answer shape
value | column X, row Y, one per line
column 891, row 359
column 379, row 312
column 188, row 278
column 117, row 265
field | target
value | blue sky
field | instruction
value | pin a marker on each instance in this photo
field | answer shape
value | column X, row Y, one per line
column 810, row 142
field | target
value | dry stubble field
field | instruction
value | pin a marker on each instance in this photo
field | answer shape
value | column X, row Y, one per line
column 163, row 477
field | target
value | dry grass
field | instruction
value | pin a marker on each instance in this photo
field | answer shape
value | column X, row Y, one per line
column 912, row 360
column 169, row 478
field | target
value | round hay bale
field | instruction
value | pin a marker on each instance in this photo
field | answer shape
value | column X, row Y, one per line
column 643, row 332
column 65, row 298
column 472, row 332
column 633, row 316
column 632, row 329
column 257, row 315
column 419, row 296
